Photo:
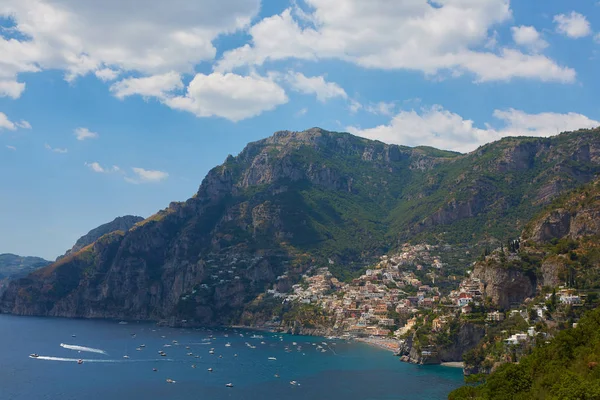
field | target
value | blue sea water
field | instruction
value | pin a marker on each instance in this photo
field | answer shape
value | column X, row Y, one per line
column 349, row 371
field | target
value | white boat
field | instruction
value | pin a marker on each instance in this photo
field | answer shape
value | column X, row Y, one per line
column 272, row 358
column 190, row 354
column 294, row 383
column 34, row 355
column 211, row 352
column 210, row 370
column 227, row 344
column 142, row 345
column 169, row 380
column 125, row 356
column 229, row 385
column 80, row 361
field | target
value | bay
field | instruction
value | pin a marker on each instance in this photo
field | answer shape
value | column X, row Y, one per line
column 345, row 370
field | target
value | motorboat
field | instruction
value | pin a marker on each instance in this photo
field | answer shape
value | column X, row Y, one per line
column 210, row 370
column 34, row 355
column 293, row 383
column 125, row 356
column 80, row 361
column 155, row 369
column 230, row 385
column 169, row 380
column 272, row 359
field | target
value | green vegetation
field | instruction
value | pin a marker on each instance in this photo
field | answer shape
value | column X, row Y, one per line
column 566, row 368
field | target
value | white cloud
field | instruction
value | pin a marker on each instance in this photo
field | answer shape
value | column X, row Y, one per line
column 597, row 37
column 55, row 149
column 85, row 36
column 10, row 88
column 96, row 167
column 106, row 74
column 428, row 36
column 381, row 108
column 315, row 85
column 146, row 176
column 441, row 128
column 152, row 86
column 574, row 25
column 230, row 96
column 12, row 148
column 5, row 123
column 23, row 124
column 301, row 112
column 529, row 37
column 84, row 133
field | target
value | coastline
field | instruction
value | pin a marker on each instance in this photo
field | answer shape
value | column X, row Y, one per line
column 453, row 364
column 386, row 344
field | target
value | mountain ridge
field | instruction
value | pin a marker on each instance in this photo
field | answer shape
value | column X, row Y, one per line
column 298, row 199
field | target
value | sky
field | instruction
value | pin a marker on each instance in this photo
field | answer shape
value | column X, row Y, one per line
column 122, row 106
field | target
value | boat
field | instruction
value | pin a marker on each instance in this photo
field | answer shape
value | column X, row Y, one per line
column 80, row 361
column 211, row 352
column 294, row 343
column 163, row 354
column 262, row 342
column 276, row 375
column 187, row 347
column 193, row 365
column 229, row 385
column 73, row 336
column 293, row 383
column 220, row 356
column 154, row 369
column 272, row 359
column 169, row 380
column 34, row 355
column 210, row 370
column 138, row 348
column 235, row 355
column 142, row 345
column 122, row 322
column 125, row 356
column 227, row 344
column 190, row 354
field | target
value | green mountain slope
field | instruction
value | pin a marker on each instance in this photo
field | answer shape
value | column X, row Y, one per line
column 299, row 199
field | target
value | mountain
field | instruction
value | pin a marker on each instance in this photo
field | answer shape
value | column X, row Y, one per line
column 13, row 266
column 297, row 200
column 118, row 224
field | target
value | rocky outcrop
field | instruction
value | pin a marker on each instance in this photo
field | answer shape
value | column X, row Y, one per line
column 467, row 337
column 118, row 224
column 505, row 285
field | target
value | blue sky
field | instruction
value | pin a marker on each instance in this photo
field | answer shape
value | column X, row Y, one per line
column 107, row 108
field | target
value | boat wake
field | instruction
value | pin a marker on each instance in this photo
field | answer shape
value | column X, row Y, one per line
column 83, row 348
column 64, row 359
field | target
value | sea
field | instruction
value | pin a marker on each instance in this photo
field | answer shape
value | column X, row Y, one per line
column 122, row 361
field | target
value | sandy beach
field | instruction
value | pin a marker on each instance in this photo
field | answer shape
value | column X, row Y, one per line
column 387, row 344
column 454, row 364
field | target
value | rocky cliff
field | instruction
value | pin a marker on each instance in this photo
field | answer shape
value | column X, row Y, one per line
column 118, row 224
column 295, row 200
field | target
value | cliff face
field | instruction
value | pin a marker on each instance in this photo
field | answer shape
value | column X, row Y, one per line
column 13, row 266
column 505, row 285
column 118, row 224
column 288, row 202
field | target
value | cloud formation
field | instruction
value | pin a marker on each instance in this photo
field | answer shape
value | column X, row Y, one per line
column 528, row 37
column 316, row 85
column 438, row 127
column 84, row 134
column 55, row 149
column 96, row 167
column 147, row 176
column 230, row 96
column 103, row 37
column 421, row 35
column 6, row 123
column 573, row 25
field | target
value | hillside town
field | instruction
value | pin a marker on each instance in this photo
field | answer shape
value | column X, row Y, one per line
column 388, row 303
